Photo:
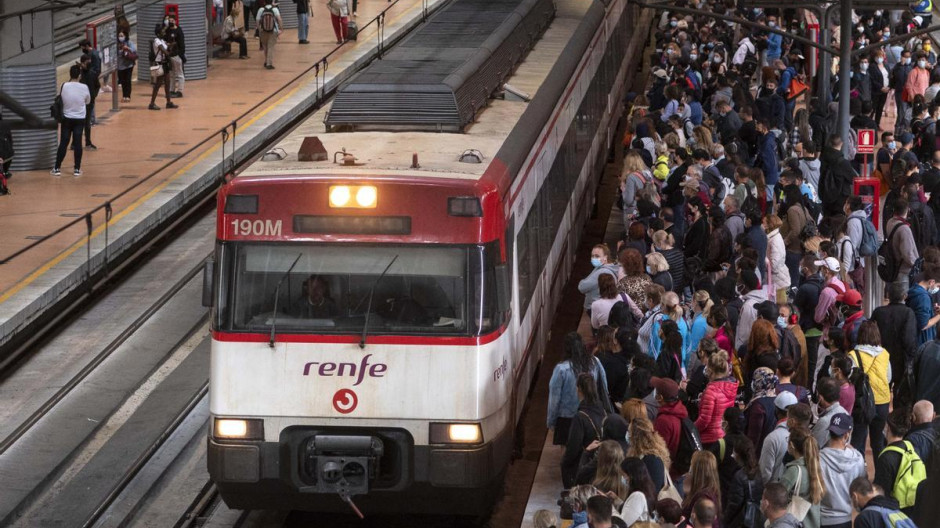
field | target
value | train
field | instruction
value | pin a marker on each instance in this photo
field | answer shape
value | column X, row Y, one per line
column 376, row 323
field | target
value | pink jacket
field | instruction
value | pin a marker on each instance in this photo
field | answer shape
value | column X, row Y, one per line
column 917, row 81
column 718, row 396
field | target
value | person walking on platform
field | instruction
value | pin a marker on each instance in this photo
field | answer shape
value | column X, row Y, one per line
column 339, row 16
column 176, row 44
column 89, row 79
column 303, row 20
column 159, row 57
column 75, row 100
column 127, row 57
column 269, row 27
column 248, row 6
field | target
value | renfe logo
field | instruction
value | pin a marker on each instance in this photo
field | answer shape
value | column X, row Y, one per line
column 329, row 369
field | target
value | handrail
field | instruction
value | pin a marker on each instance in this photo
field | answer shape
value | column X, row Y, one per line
column 319, row 68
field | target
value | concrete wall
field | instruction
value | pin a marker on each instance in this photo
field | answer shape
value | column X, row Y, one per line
column 36, row 32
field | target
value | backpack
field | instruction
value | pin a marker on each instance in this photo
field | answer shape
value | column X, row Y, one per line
column 268, row 21
column 919, row 228
column 853, row 143
column 833, row 316
column 889, row 265
column 649, row 186
column 789, row 346
column 57, row 109
column 870, row 243
column 689, row 443
column 894, row 518
column 752, row 513
column 751, row 62
column 910, row 474
column 864, row 410
column 781, row 141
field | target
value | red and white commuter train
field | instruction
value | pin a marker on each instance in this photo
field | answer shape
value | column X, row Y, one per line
column 376, row 327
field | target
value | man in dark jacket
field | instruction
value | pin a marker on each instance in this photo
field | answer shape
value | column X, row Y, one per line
column 748, row 133
column 835, row 177
column 898, row 327
column 655, row 95
column 767, row 155
column 756, row 238
column 922, row 434
column 898, row 79
column 728, row 122
column 871, row 504
column 927, row 373
column 771, row 106
column 807, row 296
column 90, row 79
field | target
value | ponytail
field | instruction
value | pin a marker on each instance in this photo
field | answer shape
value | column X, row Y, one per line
column 805, row 444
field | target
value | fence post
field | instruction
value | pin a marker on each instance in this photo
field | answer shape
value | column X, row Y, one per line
column 108, row 212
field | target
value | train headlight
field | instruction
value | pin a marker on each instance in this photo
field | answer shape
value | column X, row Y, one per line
column 354, row 196
column 456, row 433
column 236, row 429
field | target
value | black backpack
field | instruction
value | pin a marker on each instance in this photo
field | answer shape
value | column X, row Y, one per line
column 829, row 191
column 889, row 265
column 864, row 410
column 920, row 228
column 689, row 443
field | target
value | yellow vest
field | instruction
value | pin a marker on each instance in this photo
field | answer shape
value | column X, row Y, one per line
column 877, row 370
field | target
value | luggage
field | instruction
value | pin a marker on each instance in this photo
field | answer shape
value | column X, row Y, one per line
column 352, row 30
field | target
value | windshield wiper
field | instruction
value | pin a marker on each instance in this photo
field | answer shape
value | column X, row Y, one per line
column 365, row 326
column 277, row 295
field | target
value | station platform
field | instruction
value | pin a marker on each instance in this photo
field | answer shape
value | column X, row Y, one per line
column 151, row 164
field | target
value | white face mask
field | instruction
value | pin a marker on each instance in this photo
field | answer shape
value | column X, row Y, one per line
column 922, row 63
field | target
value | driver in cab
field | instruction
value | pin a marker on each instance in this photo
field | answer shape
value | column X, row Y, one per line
column 315, row 301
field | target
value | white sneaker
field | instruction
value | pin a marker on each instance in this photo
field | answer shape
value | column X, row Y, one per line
column 77, row 173
column 56, row 172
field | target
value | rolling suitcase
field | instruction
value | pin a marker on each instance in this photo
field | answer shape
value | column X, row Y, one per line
column 352, row 30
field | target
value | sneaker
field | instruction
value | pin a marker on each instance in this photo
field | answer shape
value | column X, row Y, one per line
column 90, row 147
column 269, row 66
column 56, row 172
column 153, row 107
column 304, row 42
column 172, row 105
column 77, row 173
column 244, row 57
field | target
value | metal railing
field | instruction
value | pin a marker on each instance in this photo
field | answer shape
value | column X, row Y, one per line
column 226, row 134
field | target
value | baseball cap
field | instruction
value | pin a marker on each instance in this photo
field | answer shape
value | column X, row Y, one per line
column 665, row 387
column 659, row 72
column 784, row 400
column 840, row 424
column 829, row 263
column 850, row 297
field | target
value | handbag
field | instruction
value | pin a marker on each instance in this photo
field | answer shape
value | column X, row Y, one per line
column 156, row 71
column 130, row 54
column 864, row 410
column 796, row 89
column 669, row 491
column 799, row 506
column 57, row 109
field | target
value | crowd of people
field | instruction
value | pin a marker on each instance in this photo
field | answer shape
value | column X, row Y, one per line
column 735, row 376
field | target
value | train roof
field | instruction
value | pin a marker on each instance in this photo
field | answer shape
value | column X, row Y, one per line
column 389, row 153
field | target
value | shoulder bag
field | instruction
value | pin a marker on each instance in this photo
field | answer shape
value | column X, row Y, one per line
column 799, row 506
column 57, row 109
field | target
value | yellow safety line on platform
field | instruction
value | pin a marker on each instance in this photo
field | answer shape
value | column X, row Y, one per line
column 124, row 212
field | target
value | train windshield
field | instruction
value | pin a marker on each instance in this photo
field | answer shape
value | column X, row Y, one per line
column 424, row 291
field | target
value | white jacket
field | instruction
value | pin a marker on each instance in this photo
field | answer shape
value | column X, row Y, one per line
column 777, row 254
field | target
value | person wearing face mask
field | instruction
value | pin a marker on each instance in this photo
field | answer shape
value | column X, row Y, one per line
column 918, row 79
column 840, row 465
column 880, row 78
column 600, row 261
column 900, row 239
column 902, row 97
column 898, row 326
column 861, row 81
column 919, row 300
column 127, row 57
column 774, row 42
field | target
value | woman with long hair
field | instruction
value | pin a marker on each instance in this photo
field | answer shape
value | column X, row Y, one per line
column 757, row 176
column 719, row 394
column 805, row 469
column 703, row 483
column 658, row 269
column 745, row 487
column 563, row 397
column 875, row 363
column 634, row 409
column 641, row 499
column 654, row 308
column 600, row 309
column 762, row 347
column 703, row 138
column 634, row 280
column 648, row 445
column 664, row 244
column 671, row 310
column 840, row 368
column 669, row 360
column 585, row 428
column 693, row 386
column 723, row 333
column 633, row 177
column 608, row 477
column 701, row 306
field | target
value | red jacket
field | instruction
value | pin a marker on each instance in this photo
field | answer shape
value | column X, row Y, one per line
column 669, row 424
column 718, row 396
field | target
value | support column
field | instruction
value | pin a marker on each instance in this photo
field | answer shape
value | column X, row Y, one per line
column 845, row 68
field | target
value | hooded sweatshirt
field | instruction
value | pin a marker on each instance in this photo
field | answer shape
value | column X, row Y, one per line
column 810, row 169
column 821, row 428
column 669, row 424
column 839, row 468
column 747, row 317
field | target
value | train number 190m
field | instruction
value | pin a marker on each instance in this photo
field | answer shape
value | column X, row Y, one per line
column 256, row 227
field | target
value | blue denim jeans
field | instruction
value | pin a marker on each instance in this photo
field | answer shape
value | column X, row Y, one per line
column 303, row 26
